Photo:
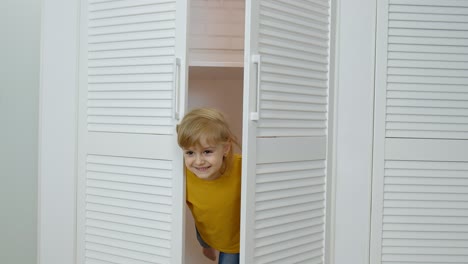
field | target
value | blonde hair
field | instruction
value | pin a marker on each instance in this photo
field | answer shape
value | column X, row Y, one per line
column 208, row 124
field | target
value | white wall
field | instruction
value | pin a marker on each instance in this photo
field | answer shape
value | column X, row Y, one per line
column 19, row 87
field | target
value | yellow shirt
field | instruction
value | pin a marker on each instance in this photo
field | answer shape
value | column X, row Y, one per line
column 215, row 206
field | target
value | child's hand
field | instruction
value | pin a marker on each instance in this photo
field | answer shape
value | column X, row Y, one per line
column 209, row 253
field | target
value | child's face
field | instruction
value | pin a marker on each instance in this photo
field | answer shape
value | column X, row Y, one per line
column 205, row 160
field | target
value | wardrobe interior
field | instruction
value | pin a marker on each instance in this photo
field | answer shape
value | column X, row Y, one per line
column 215, row 76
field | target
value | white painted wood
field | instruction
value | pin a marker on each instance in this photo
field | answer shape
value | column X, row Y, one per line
column 354, row 248
column 272, row 147
column 423, row 149
column 57, row 132
column 131, row 196
column 425, row 94
column 248, row 132
column 332, row 135
column 379, row 133
column 420, row 153
column 284, row 173
column 104, row 144
column 354, row 86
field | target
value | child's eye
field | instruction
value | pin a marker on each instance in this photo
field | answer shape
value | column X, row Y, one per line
column 208, row 151
column 189, row 153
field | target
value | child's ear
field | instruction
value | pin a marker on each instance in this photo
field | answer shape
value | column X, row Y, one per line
column 227, row 148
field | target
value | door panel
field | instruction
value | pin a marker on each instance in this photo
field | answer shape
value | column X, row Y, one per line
column 420, row 198
column 285, row 131
column 132, row 85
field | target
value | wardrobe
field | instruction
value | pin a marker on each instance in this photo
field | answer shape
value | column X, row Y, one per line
column 143, row 64
column 420, row 168
column 399, row 160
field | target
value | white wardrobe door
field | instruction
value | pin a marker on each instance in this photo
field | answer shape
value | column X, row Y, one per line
column 130, row 184
column 420, row 187
column 285, row 131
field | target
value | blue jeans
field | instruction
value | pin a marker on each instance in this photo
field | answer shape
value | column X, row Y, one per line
column 228, row 258
column 224, row 258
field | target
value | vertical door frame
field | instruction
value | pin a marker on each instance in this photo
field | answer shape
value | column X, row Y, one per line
column 181, row 79
column 352, row 135
column 81, row 137
column 248, row 131
column 57, row 132
column 331, row 134
column 378, row 169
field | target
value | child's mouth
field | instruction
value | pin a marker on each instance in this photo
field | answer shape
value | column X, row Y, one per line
column 202, row 169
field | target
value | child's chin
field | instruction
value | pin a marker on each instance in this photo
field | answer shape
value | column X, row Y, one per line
column 201, row 176
column 204, row 176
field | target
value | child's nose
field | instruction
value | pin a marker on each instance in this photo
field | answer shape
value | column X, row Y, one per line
column 199, row 159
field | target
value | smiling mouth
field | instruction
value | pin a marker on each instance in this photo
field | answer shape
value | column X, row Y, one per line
column 202, row 168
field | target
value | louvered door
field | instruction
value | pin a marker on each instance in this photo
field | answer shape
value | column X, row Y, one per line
column 285, row 131
column 420, row 186
column 130, row 184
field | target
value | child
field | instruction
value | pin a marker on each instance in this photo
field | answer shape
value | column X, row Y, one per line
column 213, row 176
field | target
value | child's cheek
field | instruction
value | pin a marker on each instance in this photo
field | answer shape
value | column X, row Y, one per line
column 187, row 162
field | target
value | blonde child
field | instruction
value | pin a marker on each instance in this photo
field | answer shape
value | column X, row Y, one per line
column 213, row 176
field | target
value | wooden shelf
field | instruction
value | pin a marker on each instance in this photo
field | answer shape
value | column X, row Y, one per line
column 216, row 58
column 236, row 64
column 215, row 73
